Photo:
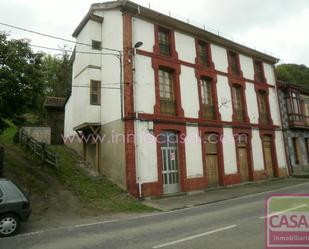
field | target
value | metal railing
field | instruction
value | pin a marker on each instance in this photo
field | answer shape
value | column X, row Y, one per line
column 39, row 149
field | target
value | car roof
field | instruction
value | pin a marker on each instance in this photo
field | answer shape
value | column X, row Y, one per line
column 10, row 190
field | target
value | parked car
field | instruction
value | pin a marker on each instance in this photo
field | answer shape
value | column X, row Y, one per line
column 14, row 208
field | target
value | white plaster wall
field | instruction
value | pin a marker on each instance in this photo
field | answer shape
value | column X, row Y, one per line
column 91, row 31
column 147, row 153
column 145, row 85
column 194, row 157
column 224, row 96
column 112, row 37
column 274, row 107
column 229, row 152
column 82, row 111
column 252, row 104
column 257, row 151
column 68, row 127
column 269, row 74
column 246, row 65
column 219, row 57
column 280, row 150
column 143, row 31
column 189, row 92
column 185, row 47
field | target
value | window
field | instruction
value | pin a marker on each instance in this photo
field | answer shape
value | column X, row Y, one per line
column 233, row 59
column 164, row 42
column 305, row 104
column 203, row 53
column 258, row 68
column 96, row 45
column 297, row 152
column 207, row 99
column 238, row 103
column 264, row 115
column 95, row 92
column 167, row 100
column 294, row 106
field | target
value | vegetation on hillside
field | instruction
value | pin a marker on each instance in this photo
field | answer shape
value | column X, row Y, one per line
column 27, row 77
column 96, row 195
column 293, row 73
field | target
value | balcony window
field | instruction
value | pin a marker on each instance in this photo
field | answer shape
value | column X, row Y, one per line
column 207, row 99
column 264, row 115
column 294, row 107
column 167, row 98
column 238, row 103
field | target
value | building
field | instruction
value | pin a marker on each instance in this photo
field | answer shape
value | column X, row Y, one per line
column 55, row 117
column 294, row 105
column 177, row 81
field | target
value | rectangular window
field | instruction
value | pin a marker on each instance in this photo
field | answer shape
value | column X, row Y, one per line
column 305, row 105
column 294, row 107
column 238, row 103
column 164, row 42
column 264, row 115
column 233, row 59
column 207, row 99
column 297, row 153
column 203, row 53
column 96, row 45
column 258, row 67
column 95, row 92
column 167, row 100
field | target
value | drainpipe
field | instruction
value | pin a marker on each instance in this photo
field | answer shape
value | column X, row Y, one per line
column 137, row 153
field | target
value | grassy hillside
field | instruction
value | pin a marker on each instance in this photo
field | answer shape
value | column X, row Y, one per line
column 92, row 194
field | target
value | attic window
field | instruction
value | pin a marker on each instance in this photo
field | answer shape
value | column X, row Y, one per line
column 96, row 45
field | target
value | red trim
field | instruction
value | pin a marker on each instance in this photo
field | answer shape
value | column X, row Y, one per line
column 201, row 122
column 210, row 62
column 199, row 74
column 129, row 107
column 156, row 48
column 181, row 130
column 169, row 62
column 193, row 65
column 274, row 151
column 229, row 69
column 248, row 133
column 161, row 63
column 219, row 132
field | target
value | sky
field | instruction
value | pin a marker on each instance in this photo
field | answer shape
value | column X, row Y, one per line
column 277, row 27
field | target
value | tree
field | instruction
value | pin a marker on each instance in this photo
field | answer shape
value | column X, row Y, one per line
column 21, row 84
column 293, row 73
column 57, row 71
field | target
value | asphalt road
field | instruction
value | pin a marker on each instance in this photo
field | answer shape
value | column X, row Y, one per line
column 232, row 224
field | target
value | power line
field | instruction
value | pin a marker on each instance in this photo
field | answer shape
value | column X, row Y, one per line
column 71, row 51
column 55, row 37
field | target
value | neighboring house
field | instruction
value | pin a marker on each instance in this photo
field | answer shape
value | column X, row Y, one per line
column 183, row 81
column 294, row 103
column 55, row 117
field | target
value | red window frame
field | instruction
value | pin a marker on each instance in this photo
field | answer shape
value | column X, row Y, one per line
column 259, row 74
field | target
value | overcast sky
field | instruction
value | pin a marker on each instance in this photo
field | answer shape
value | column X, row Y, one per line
column 278, row 27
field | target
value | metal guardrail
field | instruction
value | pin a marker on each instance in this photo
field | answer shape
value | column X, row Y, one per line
column 39, row 149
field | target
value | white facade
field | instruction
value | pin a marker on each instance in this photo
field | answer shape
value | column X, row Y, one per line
column 106, row 69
